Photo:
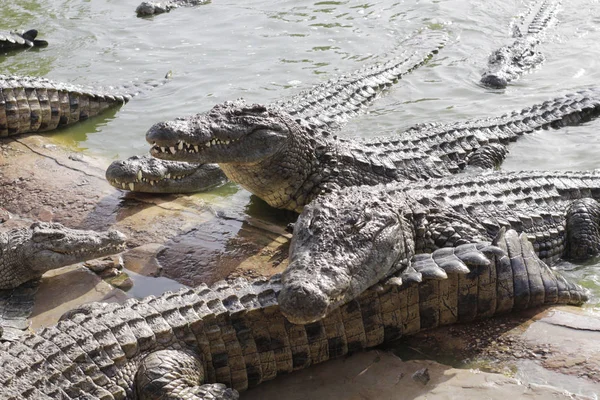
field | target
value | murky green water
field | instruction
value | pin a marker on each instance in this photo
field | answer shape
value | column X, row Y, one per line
column 264, row 50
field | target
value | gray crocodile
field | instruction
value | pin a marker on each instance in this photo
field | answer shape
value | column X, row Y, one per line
column 147, row 174
column 287, row 162
column 10, row 40
column 347, row 240
column 329, row 104
column 148, row 8
column 508, row 63
column 33, row 104
column 27, row 253
column 210, row 343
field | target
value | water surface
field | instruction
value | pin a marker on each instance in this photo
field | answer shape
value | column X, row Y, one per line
column 264, row 50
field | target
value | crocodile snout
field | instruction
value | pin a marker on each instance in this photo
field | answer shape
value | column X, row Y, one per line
column 303, row 303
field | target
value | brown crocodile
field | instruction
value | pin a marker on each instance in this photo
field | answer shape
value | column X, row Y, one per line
column 33, row 104
column 288, row 162
column 210, row 343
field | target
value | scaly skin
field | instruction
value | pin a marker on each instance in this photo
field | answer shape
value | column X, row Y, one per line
column 150, row 175
column 347, row 240
column 508, row 63
column 209, row 343
column 20, row 40
column 27, row 253
column 148, row 8
column 288, row 163
column 327, row 105
column 32, row 104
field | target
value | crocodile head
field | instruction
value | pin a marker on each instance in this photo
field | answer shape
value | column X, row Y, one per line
column 232, row 132
column 509, row 62
column 147, row 8
column 151, row 175
column 263, row 149
column 28, row 253
column 339, row 249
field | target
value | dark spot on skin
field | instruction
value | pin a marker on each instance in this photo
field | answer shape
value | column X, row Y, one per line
column 429, row 317
column 314, row 331
column 300, row 360
column 254, row 375
column 355, row 346
column 391, row 332
column 220, row 360
column 337, row 347
column 263, row 344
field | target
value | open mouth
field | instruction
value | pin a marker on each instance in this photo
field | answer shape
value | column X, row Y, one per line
column 155, row 180
column 188, row 148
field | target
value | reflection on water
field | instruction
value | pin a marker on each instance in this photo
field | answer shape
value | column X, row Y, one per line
column 264, row 50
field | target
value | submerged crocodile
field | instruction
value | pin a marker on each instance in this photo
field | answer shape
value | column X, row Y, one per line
column 287, row 162
column 209, row 343
column 27, row 253
column 329, row 104
column 510, row 62
column 32, row 104
column 147, row 8
column 347, row 240
column 20, row 40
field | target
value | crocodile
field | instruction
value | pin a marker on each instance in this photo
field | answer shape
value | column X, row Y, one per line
column 148, row 8
column 10, row 40
column 27, row 253
column 347, row 240
column 508, row 63
column 210, row 343
column 147, row 174
column 288, row 162
column 34, row 104
column 329, row 104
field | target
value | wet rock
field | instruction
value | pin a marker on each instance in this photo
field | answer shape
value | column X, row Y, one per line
column 379, row 375
column 564, row 341
column 421, row 376
column 121, row 281
column 66, row 288
column 100, row 265
column 142, row 260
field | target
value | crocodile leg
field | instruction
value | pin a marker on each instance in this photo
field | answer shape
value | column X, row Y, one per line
column 583, row 229
column 16, row 306
column 176, row 374
column 488, row 156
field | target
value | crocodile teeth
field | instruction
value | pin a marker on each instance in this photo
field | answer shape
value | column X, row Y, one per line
column 139, row 175
column 131, row 186
column 168, row 176
column 172, row 150
column 163, row 149
column 180, row 146
column 196, row 148
column 124, row 185
column 151, row 183
column 208, row 144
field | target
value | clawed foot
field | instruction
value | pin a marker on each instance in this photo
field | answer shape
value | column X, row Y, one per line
column 448, row 260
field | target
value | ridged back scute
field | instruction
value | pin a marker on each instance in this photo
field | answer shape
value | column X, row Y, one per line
column 333, row 102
